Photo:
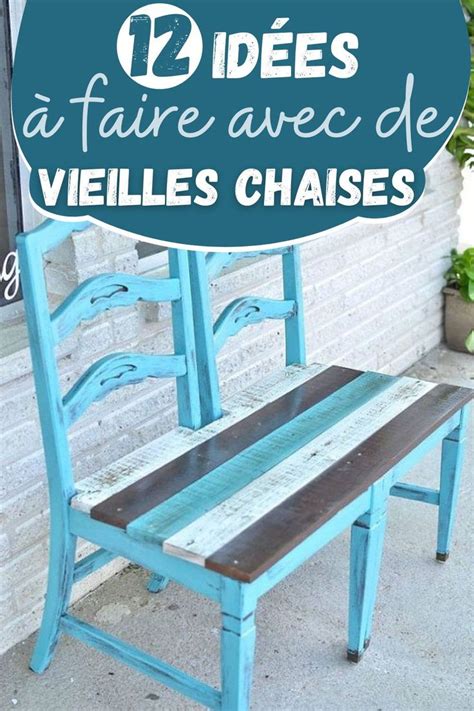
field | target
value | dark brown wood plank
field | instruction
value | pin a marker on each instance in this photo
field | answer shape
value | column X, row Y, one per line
column 158, row 486
column 264, row 543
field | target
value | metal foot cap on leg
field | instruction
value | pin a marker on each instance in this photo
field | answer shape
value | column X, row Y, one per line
column 442, row 557
column 355, row 657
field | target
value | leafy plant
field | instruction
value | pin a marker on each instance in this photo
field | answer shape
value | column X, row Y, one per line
column 470, row 342
column 460, row 275
column 461, row 143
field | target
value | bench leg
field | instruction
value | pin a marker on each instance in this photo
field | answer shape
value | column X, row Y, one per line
column 237, row 649
column 157, row 583
column 452, row 458
column 60, row 578
column 367, row 537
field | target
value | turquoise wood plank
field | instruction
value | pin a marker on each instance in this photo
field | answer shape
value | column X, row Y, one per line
column 311, row 545
column 50, row 233
column 56, row 446
column 179, row 511
column 157, row 583
column 209, row 394
column 217, row 262
column 237, row 646
column 367, row 536
column 295, row 348
column 415, row 493
column 346, row 516
column 155, row 668
column 91, row 563
column 452, row 459
column 105, row 292
column 184, row 338
column 248, row 311
column 116, row 371
column 147, row 555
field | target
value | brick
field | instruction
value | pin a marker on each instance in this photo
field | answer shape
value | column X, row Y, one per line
column 23, row 507
column 127, row 262
column 126, row 326
column 19, row 440
column 8, row 609
column 21, row 474
column 30, row 563
column 4, row 547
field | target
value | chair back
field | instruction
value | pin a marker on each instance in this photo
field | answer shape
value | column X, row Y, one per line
column 95, row 295
column 242, row 312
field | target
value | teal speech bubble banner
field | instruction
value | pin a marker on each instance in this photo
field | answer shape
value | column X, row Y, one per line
column 235, row 123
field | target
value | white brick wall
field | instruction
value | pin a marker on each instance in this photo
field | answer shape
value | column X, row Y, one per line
column 373, row 300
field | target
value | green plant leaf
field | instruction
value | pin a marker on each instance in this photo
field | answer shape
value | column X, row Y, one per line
column 460, row 275
column 470, row 342
column 461, row 144
column 470, row 290
column 468, row 6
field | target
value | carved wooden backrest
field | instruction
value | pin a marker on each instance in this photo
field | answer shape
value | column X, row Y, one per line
column 92, row 297
column 242, row 312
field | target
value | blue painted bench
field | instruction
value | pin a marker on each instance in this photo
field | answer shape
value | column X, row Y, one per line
column 232, row 502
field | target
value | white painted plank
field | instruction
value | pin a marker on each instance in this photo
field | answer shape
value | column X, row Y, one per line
column 134, row 466
column 200, row 539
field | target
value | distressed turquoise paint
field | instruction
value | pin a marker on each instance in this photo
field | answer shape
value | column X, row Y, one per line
column 187, row 384
column 108, row 291
column 50, row 233
column 147, row 555
column 238, row 600
column 367, row 535
column 56, row 415
column 415, row 493
column 56, row 448
column 198, row 498
column 145, row 663
column 217, row 262
column 295, row 348
column 209, row 395
column 157, row 583
column 339, row 523
column 248, row 311
column 291, row 309
column 91, row 563
column 452, row 459
column 115, row 371
column 237, row 646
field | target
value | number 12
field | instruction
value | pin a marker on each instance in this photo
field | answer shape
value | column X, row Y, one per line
column 166, row 64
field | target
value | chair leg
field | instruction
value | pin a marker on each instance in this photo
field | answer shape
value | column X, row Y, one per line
column 237, row 649
column 367, row 537
column 157, row 583
column 452, row 458
column 60, row 577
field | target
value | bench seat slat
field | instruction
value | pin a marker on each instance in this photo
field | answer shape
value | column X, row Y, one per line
column 239, row 494
column 160, row 485
column 206, row 535
column 285, row 526
column 115, row 477
column 225, row 480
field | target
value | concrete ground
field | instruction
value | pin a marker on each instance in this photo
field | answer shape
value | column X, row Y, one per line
column 419, row 658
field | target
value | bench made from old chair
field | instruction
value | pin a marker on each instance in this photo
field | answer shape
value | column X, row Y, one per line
column 231, row 509
column 418, row 422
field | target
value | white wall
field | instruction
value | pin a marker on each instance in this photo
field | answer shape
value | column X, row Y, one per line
column 373, row 300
